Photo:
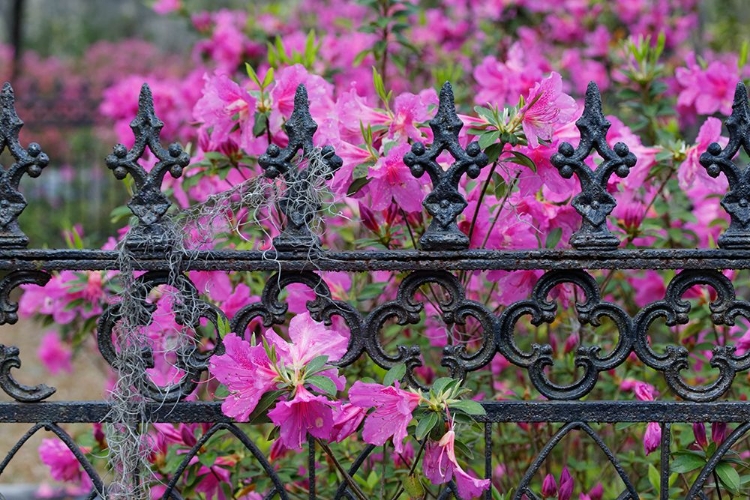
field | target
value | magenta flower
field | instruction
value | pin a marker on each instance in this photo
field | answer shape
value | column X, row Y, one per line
column 347, row 422
column 718, row 432
column 390, row 179
column 225, row 104
column 699, row 431
column 247, row 373
column 408, row 110
column 566, row 485
column 440, row 466
column 54, row 354
column 549, row 486
column 63, row 465
column 393, row 409
column 652, row 437
column 304, row 413
column 547, row 107
column 691, row 170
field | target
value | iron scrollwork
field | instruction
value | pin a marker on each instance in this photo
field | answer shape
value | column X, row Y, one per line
column 592, row 310
column 189, row 359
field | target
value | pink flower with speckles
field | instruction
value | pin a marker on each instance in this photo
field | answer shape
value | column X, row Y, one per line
column 546, row 108
column 393, row 412
column 62, row 463
column 303, row 414
column 391, row 180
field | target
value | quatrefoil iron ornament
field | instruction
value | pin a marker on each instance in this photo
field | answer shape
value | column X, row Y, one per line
column 445, row 203
column 716, row 160
column 30, row 161
column 299, row 210
column 593, row 203
column 148, row 204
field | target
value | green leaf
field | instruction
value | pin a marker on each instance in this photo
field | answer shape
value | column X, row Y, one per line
column 728, row 476
column 653, row 477
column 425, row 425
column 686, row 463
column 468, row 406
column 253, row 75
column 356, row 185
column 440, row 384
column 260, row 125
column 360, row 57
column 488, row 138
column 522, row 159
column 553, row 238
column 413, row 486
column 485, row 113
column 325, row 384
column 208, row 458
column 493, row 152
column 266, row 401
column 396, row 372
column 316, row 364
column 268, row 79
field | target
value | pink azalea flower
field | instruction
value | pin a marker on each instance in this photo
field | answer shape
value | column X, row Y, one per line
column 55, row 355
column 347, row 421
column 223, row 105
column 63, row 465
column 691, row 170
column 247, row 373
column 440, row 466
column 391, row 179
column 546, row 108
column 304, row 413
column 166, row 6
column 408, row 110
column 216, row 284
column 393, row 412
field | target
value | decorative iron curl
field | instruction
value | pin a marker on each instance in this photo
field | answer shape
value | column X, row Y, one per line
column 20, row 392
column 543, row 311
column 716, row 160
column 675, row 310
column 300, row 129
column 455, row 309
column 594, row 203
column 273, row 311
column 444, row 202
column 29, row 161
column 189, row 359
column 9, row 307
column 148, row 204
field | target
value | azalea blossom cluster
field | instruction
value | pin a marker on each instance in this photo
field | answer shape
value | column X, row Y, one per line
column 372, row 84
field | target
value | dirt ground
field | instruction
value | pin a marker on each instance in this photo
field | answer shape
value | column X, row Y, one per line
column 86, row 382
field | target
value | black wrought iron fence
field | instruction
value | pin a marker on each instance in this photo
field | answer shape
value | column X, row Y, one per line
column 444, row 253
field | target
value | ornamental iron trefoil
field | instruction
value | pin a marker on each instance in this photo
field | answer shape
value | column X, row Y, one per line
column 444, row 202
column 30, row 160
column 594, row 203
column 716, row 160
column 148, row 204
column 295, row 204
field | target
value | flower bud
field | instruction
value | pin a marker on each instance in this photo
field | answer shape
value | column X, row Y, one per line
column 549, row 486
column 718, row 432
column 699, row 431
column 566, row 485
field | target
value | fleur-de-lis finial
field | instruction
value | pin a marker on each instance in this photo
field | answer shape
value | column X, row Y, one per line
column 30, row 161
column 148, row 204
column 716, row 160
column 444, row 202
column 296, row 203
column 594, row 203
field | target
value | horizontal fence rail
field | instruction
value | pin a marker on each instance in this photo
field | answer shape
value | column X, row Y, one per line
column 297, row 257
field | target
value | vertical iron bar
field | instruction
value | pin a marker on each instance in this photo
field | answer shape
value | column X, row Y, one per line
column 666, row 440
column 311, row 466
column 16, row 37
column 488, row 458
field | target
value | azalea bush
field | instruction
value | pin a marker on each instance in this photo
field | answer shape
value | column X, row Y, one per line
column 372, row 70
